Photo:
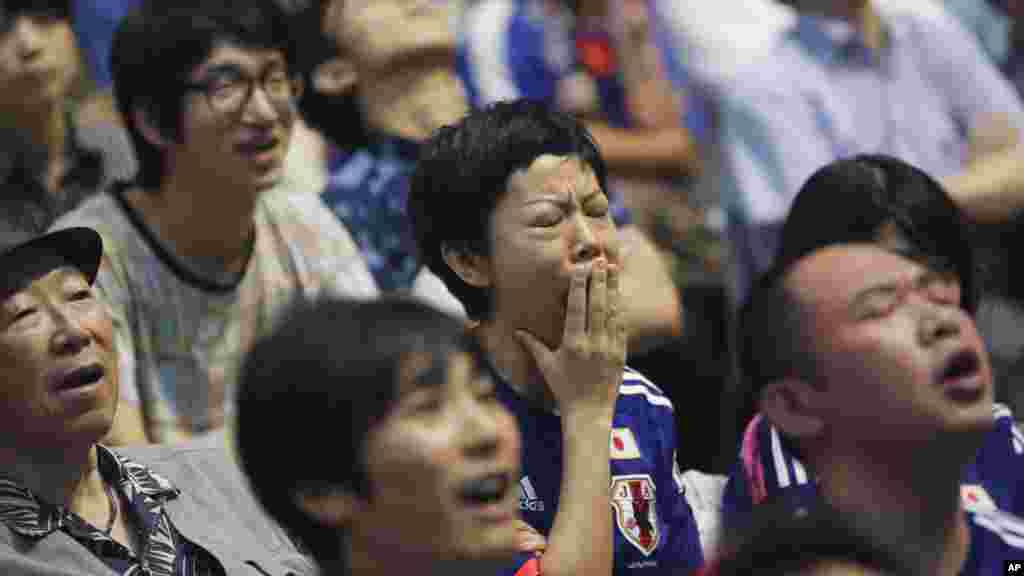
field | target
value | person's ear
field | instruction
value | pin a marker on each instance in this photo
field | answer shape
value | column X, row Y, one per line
column 334, row 507
column 791, row 405
column 471, row 268
column 335, row 76
column 146, row 126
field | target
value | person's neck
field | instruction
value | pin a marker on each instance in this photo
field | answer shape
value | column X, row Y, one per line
column 209, row 231
column 414, row 102
column 514, row 362
column 65, row 476
column 916, row 498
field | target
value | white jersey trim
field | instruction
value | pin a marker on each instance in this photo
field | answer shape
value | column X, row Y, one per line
column 1009, row 528
column 781, row 470
column 631, row 374
column 640, row 389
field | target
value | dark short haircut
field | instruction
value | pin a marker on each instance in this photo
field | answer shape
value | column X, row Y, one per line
column 463, row 172
column 12, row 9
column 850, row 201
column 781, row 541
column 160, row 43
column 311, row 391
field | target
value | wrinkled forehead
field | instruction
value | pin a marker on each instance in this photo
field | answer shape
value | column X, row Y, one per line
column 832, row 276
column 27, row 266
column 550, row 175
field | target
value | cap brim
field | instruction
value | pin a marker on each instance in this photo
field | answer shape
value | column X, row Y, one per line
column 82, row 247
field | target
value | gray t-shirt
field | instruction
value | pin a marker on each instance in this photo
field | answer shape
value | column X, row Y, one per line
column 180, row 337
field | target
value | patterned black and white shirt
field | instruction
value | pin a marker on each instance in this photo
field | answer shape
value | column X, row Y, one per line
column 163, row 551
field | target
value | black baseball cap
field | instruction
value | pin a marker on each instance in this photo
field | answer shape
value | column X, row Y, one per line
column 81, row 247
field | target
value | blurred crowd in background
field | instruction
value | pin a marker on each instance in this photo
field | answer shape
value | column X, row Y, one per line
column 710, row 115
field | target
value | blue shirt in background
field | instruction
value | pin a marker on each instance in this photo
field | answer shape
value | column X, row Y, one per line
column 94, row 23
column 820, row 94
column 523, row 49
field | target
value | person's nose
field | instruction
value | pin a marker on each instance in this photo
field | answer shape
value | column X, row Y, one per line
column 938, row 322
column 480, row 428
column 587, row 245
column 69, row 336
column 260, row 108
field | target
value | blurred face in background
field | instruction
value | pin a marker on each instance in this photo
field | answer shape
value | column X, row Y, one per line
column 442, row 467
column 380, row 35
column 38, row 55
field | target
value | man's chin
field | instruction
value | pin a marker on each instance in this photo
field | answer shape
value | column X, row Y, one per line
column 967, row 426
column 92, row 428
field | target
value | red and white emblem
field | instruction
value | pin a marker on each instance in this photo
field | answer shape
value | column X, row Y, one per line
column 636, row 514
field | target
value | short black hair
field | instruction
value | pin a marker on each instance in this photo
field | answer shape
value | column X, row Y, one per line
column 781, row 540
column 853, row 200
column 327, row 374
column 463, row 172
column 159, row 44
column 12, row 9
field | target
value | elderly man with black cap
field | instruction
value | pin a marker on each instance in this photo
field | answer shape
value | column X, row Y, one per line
column 69, row 505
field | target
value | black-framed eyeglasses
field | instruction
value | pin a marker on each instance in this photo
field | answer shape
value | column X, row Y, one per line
column 228, row 89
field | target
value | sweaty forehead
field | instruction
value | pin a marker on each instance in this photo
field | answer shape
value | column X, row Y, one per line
column 834, row 275
column 551, row 175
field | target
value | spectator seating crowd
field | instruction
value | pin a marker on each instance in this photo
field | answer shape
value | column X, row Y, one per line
column 511, row 287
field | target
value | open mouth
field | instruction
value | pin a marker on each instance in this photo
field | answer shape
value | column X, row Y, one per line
column 961, row 366
column 486, row 490
column 256, row 147
column 961, row 376
column 81, row 377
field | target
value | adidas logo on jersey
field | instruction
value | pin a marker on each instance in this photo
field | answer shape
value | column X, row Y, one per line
column 528, row 499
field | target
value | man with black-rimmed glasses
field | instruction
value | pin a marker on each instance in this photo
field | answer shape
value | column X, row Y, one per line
column 201, row 254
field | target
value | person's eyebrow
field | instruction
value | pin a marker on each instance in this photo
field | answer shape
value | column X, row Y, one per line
column 861, row 297
column 218, row 70
column 562, row 197
column 231, row 68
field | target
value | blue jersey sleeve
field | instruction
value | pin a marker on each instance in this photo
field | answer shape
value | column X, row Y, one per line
column 683, row 552
column 737, row 502
column 684, row 548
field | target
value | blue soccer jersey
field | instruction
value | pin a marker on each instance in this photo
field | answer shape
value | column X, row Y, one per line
column 655, row 531
column 525, row 48
column 992, row 489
